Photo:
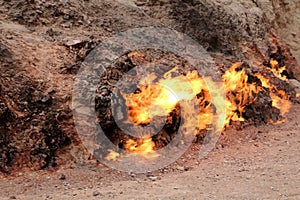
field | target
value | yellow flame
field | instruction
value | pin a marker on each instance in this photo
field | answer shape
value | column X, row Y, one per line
column 160, row 97
column 144, row 147
column 277, row 70
column 279, row 98
column 239, row 93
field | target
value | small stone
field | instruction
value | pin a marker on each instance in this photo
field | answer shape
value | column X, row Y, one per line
column 66, row 25
column 46, row 98
column 181, row 168
column 9, row 37
column 18, row 15
column 73, row 42
column 63, row 177
column 140, row 3
column 50, row 90
column 294, row 83
column 39, row 11
column 50, row 32
column 13, row 197
column 153, row 178
column 66, row 17
column 241, row 170
column 31, row 29
column 96, row 193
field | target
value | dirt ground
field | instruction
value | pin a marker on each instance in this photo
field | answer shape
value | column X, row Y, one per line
column 255, row 163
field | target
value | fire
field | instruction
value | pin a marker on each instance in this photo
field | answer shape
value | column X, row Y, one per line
column 279, row 97
column 159, row 96
column 144, row 146
column 160, row 99
column 239, row 93
column 277, row 70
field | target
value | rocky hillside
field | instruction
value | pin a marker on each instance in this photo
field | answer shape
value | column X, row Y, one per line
column 43, row 43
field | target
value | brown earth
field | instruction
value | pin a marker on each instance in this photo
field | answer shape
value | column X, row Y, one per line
column 255, row 163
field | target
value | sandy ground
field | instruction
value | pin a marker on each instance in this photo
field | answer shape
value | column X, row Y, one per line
column 255, row 163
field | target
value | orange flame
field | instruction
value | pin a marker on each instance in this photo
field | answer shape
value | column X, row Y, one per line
column 239, row 93
column 159, row 97
column 144, row 146
column 279, row 97
column 277, row 70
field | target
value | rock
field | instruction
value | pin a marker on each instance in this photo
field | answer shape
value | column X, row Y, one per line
column 66, row 17
column 13, row 197
column 50, row 32
column 296, row 85
column 66, row 25
column 9, row 37
column 39, row 11
column 152, row 178
column 141, row 2
column 51, row 90
column 62, row 177
column 181, row 168
column 73, row 42
column 96, row 193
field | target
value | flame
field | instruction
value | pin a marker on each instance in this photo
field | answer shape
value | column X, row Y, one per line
column 239, row 93
column 277, row 70
column 159, row 96
column 279, row 97
column 144, row 146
